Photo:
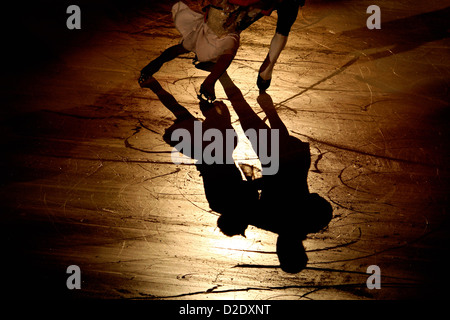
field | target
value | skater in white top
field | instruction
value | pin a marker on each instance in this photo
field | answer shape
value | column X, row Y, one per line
column 215, row 36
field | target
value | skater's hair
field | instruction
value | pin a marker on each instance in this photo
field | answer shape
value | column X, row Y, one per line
column 231, row 227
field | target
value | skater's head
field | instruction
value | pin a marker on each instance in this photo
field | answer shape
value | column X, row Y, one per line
column 231, row 226
column 291, row 253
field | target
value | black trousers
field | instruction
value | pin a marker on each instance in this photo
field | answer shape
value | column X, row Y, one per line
column 287, row 14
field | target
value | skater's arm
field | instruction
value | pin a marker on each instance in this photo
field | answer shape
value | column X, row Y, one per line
column 219, row 68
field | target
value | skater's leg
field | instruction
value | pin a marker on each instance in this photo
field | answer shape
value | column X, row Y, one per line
column 276, row 46
column 287, row 14
column 219, row 68
column 251, row 123
column 266, row 103
column 247, row 117
column 154, row 66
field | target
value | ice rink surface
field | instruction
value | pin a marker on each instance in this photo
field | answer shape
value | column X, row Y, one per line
column 88, row 180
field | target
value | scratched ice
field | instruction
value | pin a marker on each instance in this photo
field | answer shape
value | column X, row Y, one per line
column 88, row 179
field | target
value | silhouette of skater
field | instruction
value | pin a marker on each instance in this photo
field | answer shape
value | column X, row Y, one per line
column 214, row 37
column 227, row 193
column 283, row 205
